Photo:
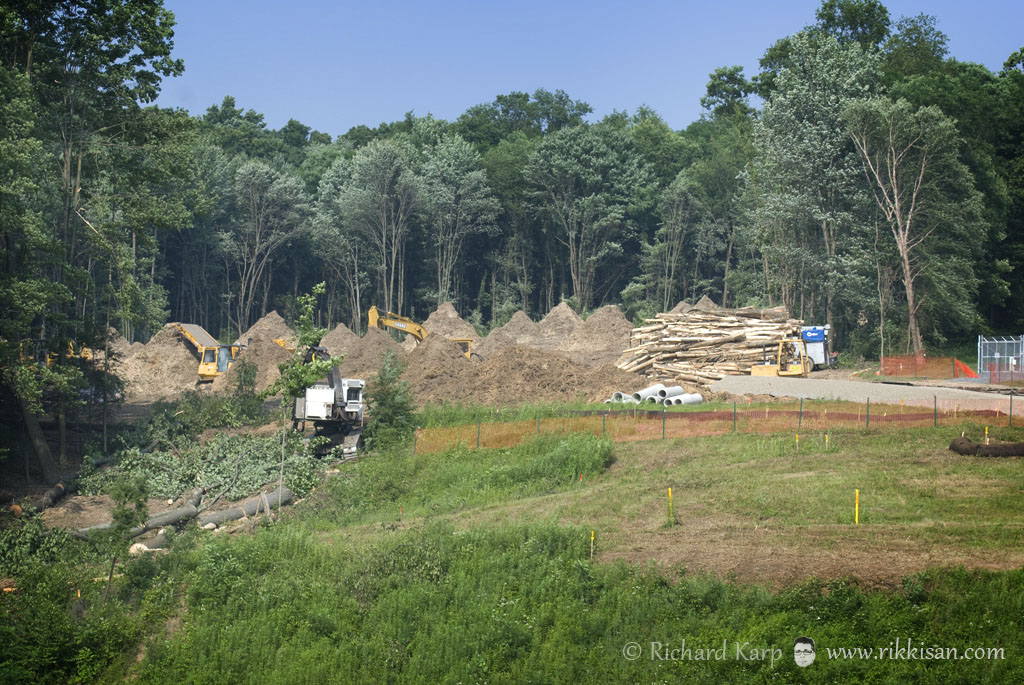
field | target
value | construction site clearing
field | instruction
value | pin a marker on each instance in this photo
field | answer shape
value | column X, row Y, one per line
column 562, row 358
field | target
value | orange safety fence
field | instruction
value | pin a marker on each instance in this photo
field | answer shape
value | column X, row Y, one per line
column 920, row 366
column 809, row 416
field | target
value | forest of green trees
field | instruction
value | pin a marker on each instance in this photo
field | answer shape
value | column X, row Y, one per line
column 864, row 177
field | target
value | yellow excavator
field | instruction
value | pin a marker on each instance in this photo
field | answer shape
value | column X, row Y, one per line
column 214, row 358
column 406, row 325
column 790, row 360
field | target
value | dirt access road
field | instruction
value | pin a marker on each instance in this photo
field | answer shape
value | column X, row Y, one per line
column 857, row 391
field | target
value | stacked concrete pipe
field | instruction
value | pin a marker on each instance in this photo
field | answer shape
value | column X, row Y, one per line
column 641, row 396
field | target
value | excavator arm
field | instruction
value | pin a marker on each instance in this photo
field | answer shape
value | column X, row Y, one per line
column 396, row 322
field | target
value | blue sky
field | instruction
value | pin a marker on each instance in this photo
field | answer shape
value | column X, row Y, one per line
column 334, row 65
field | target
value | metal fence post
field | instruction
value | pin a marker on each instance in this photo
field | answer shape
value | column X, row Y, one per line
column 604, row 415
column 935, row 411
column 867, row 415
column 538, row 426
column 733, row 417
column 1011, row 409
column 663, row 422
column 478, row 434
column 800, row 419
column 414, row 436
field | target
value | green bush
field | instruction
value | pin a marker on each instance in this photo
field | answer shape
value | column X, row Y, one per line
column 390, row 407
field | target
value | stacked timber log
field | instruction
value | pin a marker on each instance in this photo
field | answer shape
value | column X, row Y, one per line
column 701, row 346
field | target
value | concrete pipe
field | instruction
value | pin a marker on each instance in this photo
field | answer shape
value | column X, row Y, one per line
column 641, row 395
column 653, row 399
column 691, row 398
column 671, row 391
column 618, row 396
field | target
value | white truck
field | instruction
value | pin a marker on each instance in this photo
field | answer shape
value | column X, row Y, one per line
column 334, row 405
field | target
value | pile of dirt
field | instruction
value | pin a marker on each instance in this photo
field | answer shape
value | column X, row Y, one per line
column 557, row 327
column 445, row 322
column 339, row 340
column 682, row 306
column 363, row 358
column 601, row 338
column 706, row 304
column 518, row 374
column 436, row 369
column 262, row 351
column 162, row 369
column 268, row 328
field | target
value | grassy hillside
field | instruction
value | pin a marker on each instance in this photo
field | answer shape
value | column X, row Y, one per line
column 475, row 566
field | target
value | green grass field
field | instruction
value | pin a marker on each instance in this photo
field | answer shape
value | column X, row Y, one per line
column 473, row 566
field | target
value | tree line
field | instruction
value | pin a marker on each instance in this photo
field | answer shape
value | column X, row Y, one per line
column 863, row 178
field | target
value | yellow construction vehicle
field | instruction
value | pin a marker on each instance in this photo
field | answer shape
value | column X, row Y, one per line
column 34, row 351
column 407, row 325
column 214, row 358
column 790, row 360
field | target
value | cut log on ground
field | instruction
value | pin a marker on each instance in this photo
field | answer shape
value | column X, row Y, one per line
column 249, row 507
column 972, row 449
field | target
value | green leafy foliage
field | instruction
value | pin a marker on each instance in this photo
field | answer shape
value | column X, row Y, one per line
column 238, row 464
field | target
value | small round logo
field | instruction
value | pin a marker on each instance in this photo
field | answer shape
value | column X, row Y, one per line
column 803, row 651
column 632, row 651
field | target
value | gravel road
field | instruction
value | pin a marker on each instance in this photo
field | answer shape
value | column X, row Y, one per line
column 857, row 391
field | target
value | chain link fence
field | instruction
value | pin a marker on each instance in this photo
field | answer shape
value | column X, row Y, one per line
column 806, row 416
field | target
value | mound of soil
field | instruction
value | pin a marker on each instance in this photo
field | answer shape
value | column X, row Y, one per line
column 682, row 306
column 517, row 375
column 266, row 354
column 268, row 328
column 162, row 369
column 339, row 340
column 363, row 358
column 706, row 304
column 557, row 327
column 436, row 369
column 601, row 338
column 445, row 322
column 262, row 351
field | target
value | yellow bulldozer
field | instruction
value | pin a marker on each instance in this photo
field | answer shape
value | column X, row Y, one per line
column 790, row 360
column 406, row 325
column 214, row 358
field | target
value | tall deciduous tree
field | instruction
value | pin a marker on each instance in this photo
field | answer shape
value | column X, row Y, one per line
column 584, row 180
column 271, row 210
column 910, row 159
column 380, row 201
column 809, row 167
column 458, row 203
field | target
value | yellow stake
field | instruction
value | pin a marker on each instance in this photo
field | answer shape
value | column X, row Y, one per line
column 826, row 440
column 986, row 435
column 671, row 517
column 591, row 545
column 856, row 507
column 798, row 441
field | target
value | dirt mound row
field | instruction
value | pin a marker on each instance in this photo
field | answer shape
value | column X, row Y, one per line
column 262, row 351
column 517, row 375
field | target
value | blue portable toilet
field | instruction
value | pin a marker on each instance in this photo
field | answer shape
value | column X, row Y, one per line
column 816, row 340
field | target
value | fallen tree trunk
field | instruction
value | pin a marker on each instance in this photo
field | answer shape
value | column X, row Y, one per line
column 964, row 446
column 249, row 507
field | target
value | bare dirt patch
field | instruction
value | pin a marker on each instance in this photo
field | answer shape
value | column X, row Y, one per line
column 339, row 340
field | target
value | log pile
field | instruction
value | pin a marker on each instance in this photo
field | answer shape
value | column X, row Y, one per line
column 701, row 346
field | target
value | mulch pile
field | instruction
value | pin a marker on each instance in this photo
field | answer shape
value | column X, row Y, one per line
column 262, row 351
